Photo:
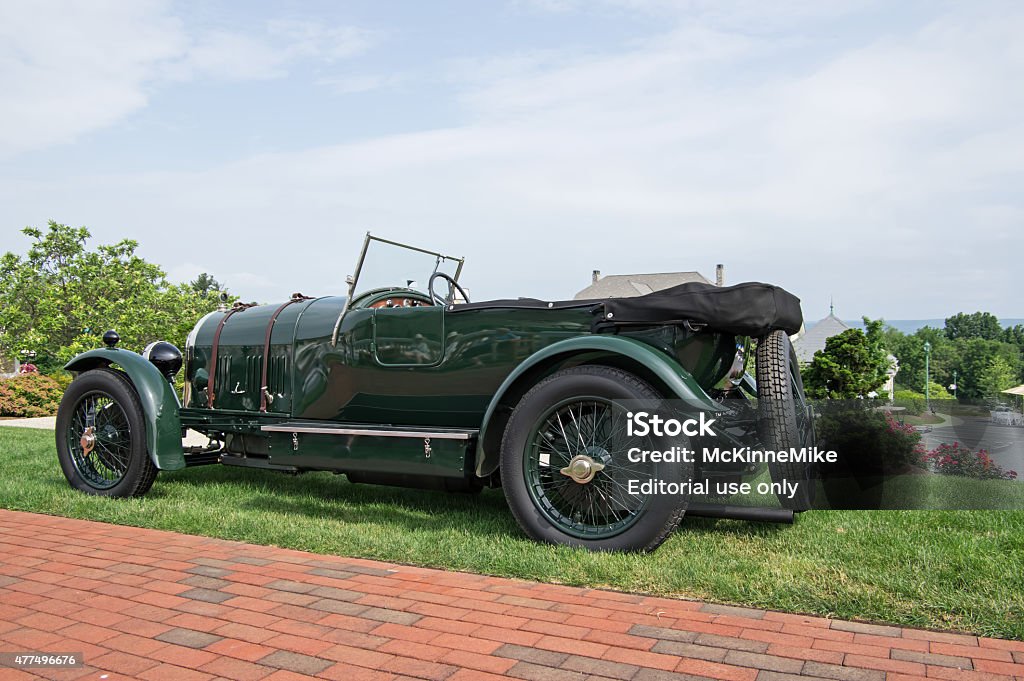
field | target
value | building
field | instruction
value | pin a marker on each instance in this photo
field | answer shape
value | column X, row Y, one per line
column 630, row 285
column 809, row 341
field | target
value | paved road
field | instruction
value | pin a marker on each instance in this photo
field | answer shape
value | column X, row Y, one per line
column 192, row 438
column 43, row 422
column 148, row 604
column 1004, row 443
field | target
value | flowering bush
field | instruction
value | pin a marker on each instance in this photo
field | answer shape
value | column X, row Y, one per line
column 28, row 369
column 958, row 459
column 917, row 454
column 869, row 442
column 29, row 395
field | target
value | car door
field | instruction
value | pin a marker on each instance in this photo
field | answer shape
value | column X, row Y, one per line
column 409, row 336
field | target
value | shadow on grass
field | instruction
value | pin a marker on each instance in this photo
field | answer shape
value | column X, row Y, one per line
column 316, row 495
column 320, row 495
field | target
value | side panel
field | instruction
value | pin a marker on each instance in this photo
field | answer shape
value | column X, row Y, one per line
column 365, row 379
column 159, row 402
column 408, row 336
column 361, row 382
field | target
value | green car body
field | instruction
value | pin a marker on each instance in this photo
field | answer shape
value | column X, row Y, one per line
column 393, row 385
column 475, row 369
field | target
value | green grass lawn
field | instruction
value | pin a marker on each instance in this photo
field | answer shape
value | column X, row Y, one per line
column 939, row 569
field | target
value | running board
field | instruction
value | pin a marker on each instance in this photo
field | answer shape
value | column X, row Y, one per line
column 752, row 513
column 322, row 429
column 255, row 462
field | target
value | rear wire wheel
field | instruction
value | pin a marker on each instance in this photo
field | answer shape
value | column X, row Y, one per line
column 564, row 468
column 783, row 418
column 101, row 436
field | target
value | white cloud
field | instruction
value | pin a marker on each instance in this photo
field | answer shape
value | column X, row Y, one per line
column 352, row 84
column 238, row 56
column 233, row 56
column 68, row 68
column 330, row 43
column 885, row 169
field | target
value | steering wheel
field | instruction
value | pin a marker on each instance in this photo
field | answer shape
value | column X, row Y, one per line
column 451, row 284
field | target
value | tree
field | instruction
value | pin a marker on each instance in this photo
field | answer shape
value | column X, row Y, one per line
column 853, row 364
column 1014, row 335
column 975, row 325
column 976, row 376
column 968, row 354
column 61, row 296
column 996, row 377
column 204, row 284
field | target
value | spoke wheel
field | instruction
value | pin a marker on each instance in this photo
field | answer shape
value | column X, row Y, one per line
column 101, row 436
column 99, row 440
column 577, row 471
column 565, row 470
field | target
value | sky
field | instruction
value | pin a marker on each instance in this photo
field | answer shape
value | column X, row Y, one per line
column 870, row 153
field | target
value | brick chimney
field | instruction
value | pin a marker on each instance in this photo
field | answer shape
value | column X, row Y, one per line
column 595, row 276
column 719, row 274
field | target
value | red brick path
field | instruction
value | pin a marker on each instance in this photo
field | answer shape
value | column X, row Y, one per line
column 157, row 605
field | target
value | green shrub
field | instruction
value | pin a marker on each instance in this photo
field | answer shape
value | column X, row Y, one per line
column 912, row 401
column 63, row 378
column 29, row 395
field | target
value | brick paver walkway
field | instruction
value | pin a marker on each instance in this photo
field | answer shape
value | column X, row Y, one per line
column 158, row 605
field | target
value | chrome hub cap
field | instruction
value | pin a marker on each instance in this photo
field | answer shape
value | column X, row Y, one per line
column 582, row 469
column 88, row 441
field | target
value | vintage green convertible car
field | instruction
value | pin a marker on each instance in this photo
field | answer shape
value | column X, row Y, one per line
column 416, row 386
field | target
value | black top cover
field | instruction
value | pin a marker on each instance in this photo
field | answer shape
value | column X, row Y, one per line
column 748, row 309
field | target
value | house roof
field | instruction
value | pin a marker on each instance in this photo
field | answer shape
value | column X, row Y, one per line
column 814, row 338
column 630, row 285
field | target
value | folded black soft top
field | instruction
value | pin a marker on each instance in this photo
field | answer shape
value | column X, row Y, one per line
column 748, row 309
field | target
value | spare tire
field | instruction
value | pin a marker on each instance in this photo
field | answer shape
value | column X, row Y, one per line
column 783, row 419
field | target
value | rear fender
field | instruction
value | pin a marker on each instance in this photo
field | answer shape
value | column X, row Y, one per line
column 159, row 402
column 649, row 363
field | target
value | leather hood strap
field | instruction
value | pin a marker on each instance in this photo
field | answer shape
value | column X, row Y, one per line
column 264, row 388
column 210, row 385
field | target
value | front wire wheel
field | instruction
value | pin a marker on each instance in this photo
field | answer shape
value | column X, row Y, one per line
column 99, row 440
column 565, row 470
column 101, row 436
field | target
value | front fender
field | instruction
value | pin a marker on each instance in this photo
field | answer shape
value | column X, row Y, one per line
column 628, row 353
column 159, row 403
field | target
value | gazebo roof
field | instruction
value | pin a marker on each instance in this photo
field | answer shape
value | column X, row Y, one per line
column 814, row 338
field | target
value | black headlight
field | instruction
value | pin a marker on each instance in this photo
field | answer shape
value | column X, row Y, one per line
column 164, row 357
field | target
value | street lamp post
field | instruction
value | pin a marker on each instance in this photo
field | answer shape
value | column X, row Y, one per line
column 927, row 375
column 954, row 384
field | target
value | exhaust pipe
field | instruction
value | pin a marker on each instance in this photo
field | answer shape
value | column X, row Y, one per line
column 751, row 513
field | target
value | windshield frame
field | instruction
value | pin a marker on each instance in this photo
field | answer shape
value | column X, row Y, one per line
column 353, row 279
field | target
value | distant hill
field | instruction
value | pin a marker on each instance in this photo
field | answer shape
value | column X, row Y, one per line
column 909, row 326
